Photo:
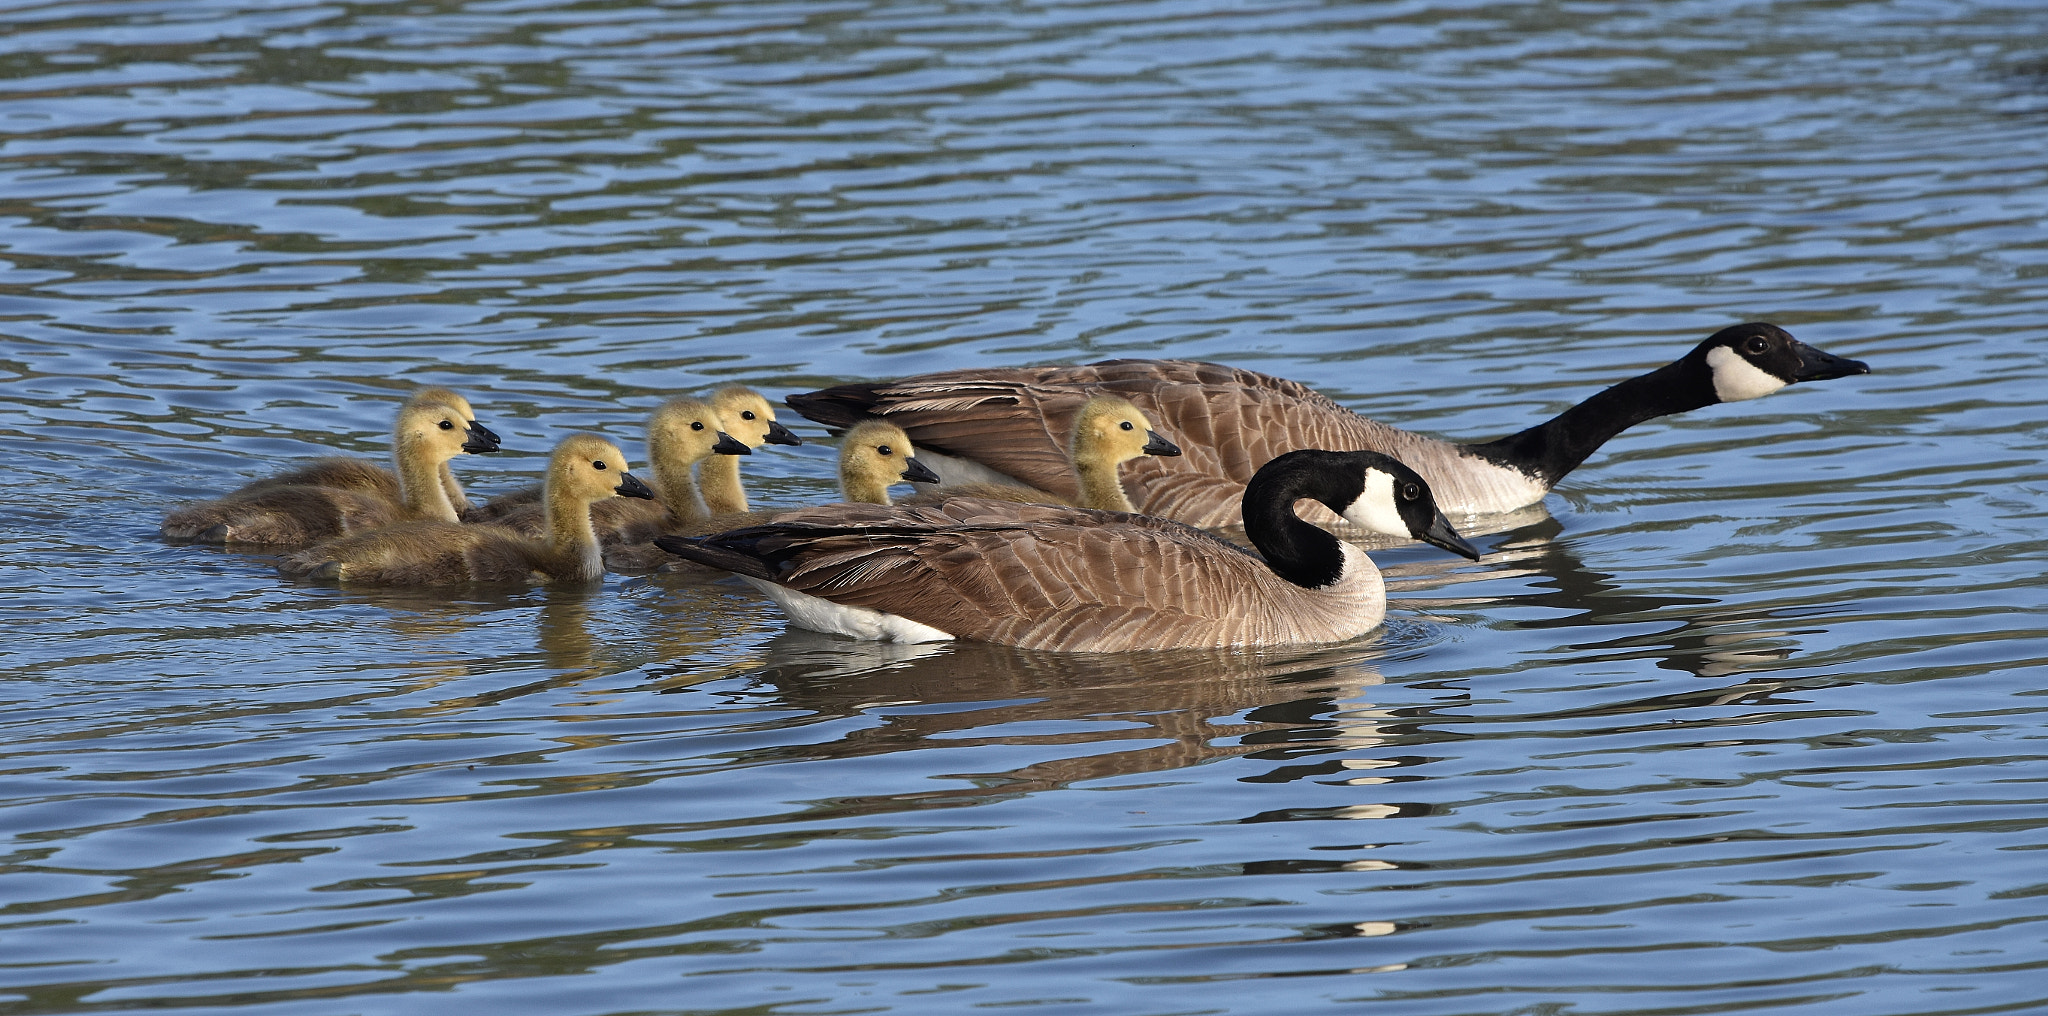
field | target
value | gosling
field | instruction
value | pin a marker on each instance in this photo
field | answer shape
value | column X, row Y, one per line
column 583, row 470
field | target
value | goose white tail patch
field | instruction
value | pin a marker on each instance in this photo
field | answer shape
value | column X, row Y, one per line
column 1375, row 509
column 1737, row 379
column 815, row 613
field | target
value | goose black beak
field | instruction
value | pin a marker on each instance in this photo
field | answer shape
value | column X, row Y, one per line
column 630, row 486
column 1442, row 535
column 918, row 472
column 1156, row 445
column 729, row 445
column 480, row 439
column 1818, row 365
column 779, row 434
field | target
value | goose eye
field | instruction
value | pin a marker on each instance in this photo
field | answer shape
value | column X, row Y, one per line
column 445, row 425
column 885, row 450
column 1126, row 425
column 696, row 425
column 746, row 414
column 1411, row 491
column 597, row 464
column 1756, row 345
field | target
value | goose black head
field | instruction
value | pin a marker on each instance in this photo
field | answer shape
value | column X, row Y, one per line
column 1751, row 360
column 1395, row 500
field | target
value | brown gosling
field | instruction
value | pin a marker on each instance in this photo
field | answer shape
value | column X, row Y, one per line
column 584, row 470
column 1108, row 432
column 751, row 419
column 333, row 497
column 681, row 433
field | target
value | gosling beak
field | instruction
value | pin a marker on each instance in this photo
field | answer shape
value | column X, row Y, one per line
column 480, row 439
column 729, row 445
column 1156, row 445
column 630, row 486
column 918, row 472
column 1817, row 365
column 779, row 434
column 1442, row 535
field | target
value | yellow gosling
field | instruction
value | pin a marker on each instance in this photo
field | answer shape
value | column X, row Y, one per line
column 333, row 497
column 584, row 470
column 751, row 419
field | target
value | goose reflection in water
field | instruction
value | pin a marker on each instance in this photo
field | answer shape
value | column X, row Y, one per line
column 1183, row 708
column 1710, row 638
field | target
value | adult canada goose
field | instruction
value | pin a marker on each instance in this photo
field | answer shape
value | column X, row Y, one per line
column 751, row 419
column 330, row 497
column 1006, row 423
column 873, row 456
column 584, row 469
column 1107, row 432
column 1081, row 580
column 680, row 433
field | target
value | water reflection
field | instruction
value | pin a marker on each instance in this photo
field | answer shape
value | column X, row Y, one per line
column 1181, row 708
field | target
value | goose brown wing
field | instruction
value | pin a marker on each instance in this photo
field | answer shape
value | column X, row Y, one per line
column 1002, row 418
column 1037, row 576
column 1227, row 421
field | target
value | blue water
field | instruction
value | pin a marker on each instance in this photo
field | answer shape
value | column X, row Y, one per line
column 1746, row 718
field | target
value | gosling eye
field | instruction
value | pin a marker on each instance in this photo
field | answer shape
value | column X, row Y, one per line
column 746, row 414
column 1756, row 345
column 597, row 464
column 696, row 425
column 1126, row 424
column 885, row 450
column 445, row 425
column 1411, row 492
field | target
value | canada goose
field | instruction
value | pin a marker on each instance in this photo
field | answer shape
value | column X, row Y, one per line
column 751, row 419
column 872, row 457
column 680, row 433
column 584, row 469
column 1081, row 580
column 1004, row 423
column 330, row 497
column 1108, row 431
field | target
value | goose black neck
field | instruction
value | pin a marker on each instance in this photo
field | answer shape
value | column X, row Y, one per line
column 1549, row 450
column 1304, row 554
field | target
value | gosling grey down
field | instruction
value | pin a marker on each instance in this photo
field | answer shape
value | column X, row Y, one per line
column 1009, row 424
column 1082, row 580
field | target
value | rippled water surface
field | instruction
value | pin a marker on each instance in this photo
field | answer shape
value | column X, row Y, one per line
column 1747, row 719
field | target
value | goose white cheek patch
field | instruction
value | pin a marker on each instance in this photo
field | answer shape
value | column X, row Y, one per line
column 1375, row 508
column 1737, row 379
